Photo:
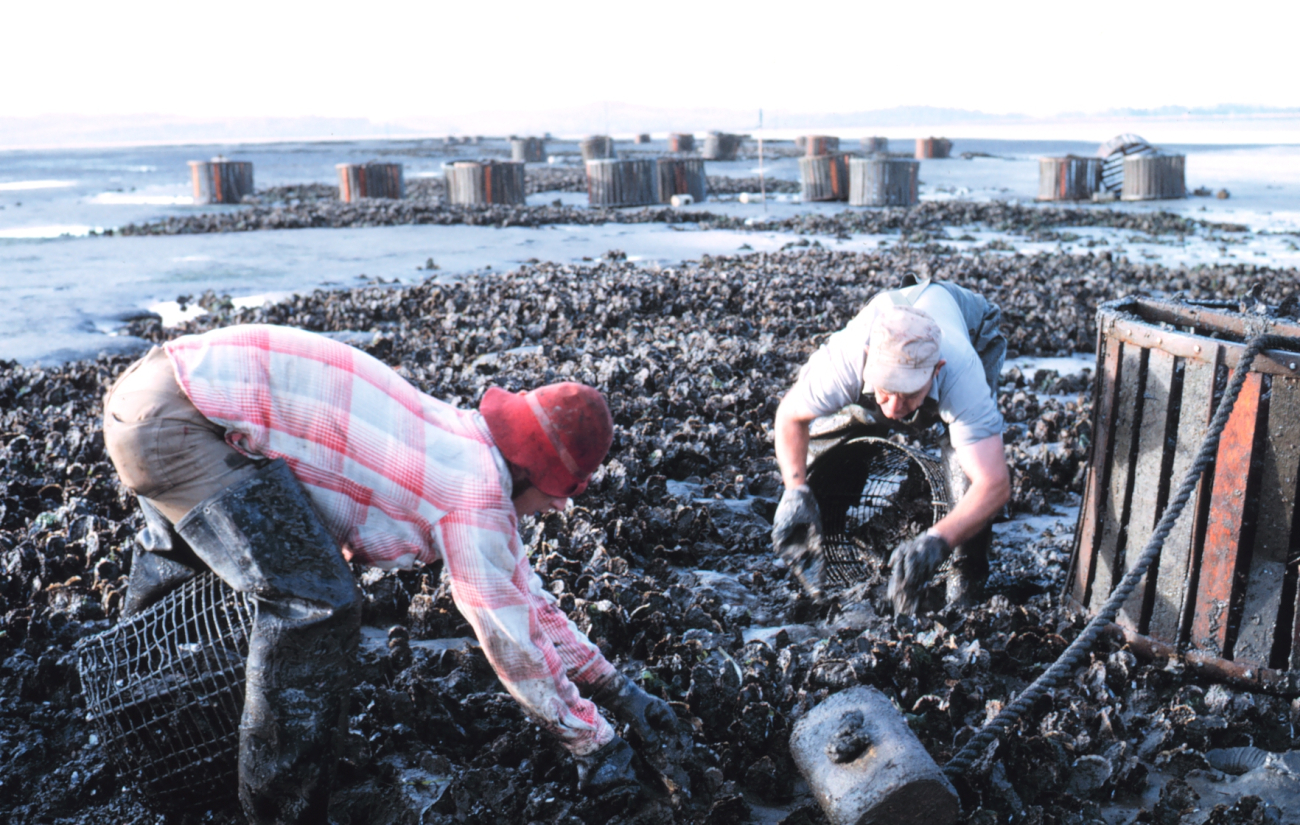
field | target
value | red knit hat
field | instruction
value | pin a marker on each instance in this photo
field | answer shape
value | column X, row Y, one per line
column 559, row 433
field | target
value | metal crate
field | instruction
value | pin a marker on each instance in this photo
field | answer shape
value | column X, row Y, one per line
column 165, row 690
column 871, row 491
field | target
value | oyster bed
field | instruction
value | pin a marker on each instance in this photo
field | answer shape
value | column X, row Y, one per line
column 665, row 561
column 305, row 207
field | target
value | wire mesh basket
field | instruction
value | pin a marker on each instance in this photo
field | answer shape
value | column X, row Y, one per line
column 873, row 494
column 165, row 690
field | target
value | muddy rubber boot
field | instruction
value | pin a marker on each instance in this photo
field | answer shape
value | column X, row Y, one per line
column 263, row 538
column 160, row 562
column 969, row 568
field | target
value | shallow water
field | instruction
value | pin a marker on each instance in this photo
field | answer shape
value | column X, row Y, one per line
column 65, row 294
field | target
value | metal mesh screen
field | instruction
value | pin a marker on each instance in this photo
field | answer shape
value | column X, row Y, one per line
column 873, row 494
column 165, row 690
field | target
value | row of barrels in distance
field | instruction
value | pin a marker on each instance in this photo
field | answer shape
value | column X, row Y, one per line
column 1145, row 177
column 717, row 145
column 876, row 180
column 611, row 182
column 926, row 148
column 722, row 146
column 228, row 181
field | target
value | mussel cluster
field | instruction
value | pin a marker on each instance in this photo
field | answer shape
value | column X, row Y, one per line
column 665, row 561
column 919, row 223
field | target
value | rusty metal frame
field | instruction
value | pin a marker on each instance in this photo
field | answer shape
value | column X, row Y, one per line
column 1262, row 679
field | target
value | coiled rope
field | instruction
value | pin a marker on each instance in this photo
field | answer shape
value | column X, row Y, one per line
column 1082, row 645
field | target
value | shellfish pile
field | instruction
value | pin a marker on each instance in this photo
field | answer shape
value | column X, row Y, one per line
column 664, row 562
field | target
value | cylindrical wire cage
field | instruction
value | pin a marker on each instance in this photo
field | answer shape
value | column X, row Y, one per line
column 873, row 494
column 165, row 691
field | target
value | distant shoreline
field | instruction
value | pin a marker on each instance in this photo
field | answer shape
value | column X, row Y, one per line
column 47, row 133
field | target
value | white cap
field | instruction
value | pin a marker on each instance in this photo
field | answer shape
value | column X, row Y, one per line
column 903, row 352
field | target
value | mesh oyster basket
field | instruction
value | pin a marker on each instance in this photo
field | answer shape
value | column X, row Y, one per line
column 165, row 690
column 873, row 494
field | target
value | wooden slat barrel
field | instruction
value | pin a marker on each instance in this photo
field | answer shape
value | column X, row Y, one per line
column 881, row 181
column 681, row 142
column 613, row 182
column 1154, row 177
column 528, row 149
column 220, row 180
column 1069, row 178
column 681, row 176
column 720, row 146
column 814, row 145
column 875, row 145
column 596, row 146
column 932, row 147
column 472, row 182
column 1222, row 582
column 825, row 177
column 369, row 180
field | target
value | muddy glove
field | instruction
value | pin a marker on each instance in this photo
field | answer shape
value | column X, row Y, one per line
column 606, row 768
column 650, row 717
column 914, row 562
column 796, row 536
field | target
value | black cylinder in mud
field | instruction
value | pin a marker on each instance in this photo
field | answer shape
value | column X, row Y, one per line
column 864, row 765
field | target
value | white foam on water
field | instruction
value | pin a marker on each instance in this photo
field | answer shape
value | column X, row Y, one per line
column 172, row 314
column 129, row 199
column 42, row 232
column 25, row 185
column 248, row 301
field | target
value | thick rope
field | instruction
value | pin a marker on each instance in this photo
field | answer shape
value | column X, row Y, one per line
column 1082, row 645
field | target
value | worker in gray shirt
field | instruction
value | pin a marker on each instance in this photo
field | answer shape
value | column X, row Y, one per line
column 928, row 352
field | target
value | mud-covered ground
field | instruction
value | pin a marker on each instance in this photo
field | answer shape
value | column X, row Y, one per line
column 665, row 561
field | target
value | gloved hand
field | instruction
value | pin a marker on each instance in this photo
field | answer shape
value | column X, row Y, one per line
column 796, row 536
column 914, row 562
column 650, row 717
column 607, row 767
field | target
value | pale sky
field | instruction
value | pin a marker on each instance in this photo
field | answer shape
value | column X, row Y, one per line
column 387, row 60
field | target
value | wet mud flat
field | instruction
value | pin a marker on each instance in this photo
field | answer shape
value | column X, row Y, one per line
column 665, row 561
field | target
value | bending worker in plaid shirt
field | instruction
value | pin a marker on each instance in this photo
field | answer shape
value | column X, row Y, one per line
column 263, row 451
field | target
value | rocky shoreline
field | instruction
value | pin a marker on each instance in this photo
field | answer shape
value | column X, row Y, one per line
column 665, row 561
column 306, row 207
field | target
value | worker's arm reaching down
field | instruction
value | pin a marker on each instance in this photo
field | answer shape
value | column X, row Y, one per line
column 539, row 655
column 909, row 357
column 915, row 561
column 395, row 478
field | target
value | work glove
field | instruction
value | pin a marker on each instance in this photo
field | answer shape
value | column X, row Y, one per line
column 651, row 718
column 607, row 767
column 796, row 537
column 914, row 562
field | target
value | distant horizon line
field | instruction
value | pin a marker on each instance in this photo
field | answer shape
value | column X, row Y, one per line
column 1169, row 110
column 69, row 131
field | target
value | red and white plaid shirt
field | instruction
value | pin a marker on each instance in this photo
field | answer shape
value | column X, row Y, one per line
column 400, row 477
